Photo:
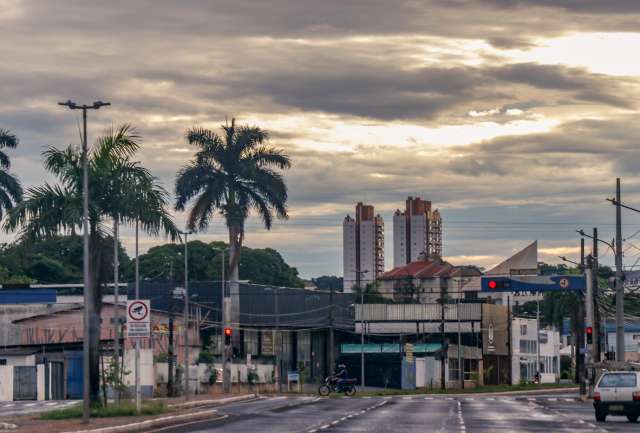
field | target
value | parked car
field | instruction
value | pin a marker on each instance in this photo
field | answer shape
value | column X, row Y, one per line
column 617, row 393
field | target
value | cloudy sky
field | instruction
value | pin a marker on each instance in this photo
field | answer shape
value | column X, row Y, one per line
column 513, row 116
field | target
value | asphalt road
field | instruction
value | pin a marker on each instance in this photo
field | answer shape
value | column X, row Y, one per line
column 550, row 413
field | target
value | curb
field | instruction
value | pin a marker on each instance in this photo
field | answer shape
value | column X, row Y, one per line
column 213, row 402
column 173, row 420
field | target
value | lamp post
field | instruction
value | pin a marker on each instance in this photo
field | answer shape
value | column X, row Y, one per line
column 186, row 314
column 359, row 280
column 226, row 379
column 89, row 314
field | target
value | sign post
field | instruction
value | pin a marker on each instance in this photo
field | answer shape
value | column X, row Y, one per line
column 138, row 326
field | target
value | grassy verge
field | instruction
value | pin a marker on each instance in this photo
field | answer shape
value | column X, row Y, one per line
column 478, row 390
column 112, row 410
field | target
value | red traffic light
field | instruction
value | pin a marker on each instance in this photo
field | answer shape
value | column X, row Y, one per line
column 589, row 330
column 493, row 284
column 228, row 332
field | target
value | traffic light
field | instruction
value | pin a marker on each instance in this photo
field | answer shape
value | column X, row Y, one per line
column 589, row 335
column 227, row 336
column 502, row 283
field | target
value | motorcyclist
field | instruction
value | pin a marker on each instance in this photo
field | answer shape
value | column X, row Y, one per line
column 341, row 375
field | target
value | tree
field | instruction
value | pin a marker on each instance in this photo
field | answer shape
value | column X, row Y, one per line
column 10, row 188
column 327, row 282
column 232, row 173
column 259, row 266
column 115, row 182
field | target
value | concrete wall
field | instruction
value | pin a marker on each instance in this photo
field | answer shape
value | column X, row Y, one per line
column 6, row 383
column 22, row 360
column 40, row 381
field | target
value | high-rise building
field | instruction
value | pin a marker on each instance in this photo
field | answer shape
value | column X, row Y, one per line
column 417, row 230
column 362, row 247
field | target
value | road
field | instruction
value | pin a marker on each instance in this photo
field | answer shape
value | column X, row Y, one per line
column 542, row 413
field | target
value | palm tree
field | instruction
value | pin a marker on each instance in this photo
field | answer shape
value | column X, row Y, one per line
column 10, row 189
column 232, row 174
column 117, row 186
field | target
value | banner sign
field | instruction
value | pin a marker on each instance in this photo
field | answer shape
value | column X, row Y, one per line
column 534, row 283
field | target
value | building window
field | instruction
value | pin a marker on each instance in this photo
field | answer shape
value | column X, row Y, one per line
column 523, row 329
column 453, row 369
column 528, row 346
column 3, row 362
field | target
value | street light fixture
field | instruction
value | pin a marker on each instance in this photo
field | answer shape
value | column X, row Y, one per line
column 359, row 280
column 186, row 314
column 226, row 374
column 89, row 314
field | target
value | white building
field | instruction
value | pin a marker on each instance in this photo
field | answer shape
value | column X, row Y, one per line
column 525, row 351
column 362, row 247
column 417, row 230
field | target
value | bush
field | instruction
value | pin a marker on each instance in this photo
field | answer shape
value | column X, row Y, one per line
column 112, row 410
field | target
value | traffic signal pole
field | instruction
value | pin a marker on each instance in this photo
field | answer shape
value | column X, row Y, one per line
column 619, row 282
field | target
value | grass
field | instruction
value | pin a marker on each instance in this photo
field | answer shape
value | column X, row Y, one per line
column 477, row 390
column 111, row 410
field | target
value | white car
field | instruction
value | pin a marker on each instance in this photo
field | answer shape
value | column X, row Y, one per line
column 617, row 393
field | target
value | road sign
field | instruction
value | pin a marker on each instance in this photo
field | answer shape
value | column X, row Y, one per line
column 534, row 283
column 138, row 318
column 408, row 351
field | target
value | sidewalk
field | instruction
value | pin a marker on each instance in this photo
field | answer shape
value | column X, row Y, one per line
column 178, row 411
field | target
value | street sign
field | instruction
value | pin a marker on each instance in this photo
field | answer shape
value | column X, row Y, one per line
column 534, row 283
column 138, row 318
column 408, row 350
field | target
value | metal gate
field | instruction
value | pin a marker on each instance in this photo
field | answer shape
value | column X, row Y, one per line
column 74, row 375
column 56, row 372
column 25, row 383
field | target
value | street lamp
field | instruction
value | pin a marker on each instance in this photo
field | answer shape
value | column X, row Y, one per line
column 359, row 281
column 89, row 314
column 225, row 350
column 186, row 314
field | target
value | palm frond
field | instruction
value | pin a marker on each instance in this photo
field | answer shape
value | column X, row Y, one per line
column 7, row 139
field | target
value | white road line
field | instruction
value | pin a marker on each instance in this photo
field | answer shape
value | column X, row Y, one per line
column 334, row 422
column 9, row 405
column 552, row 399
column 51, row 404
column 325, row 426
column 428, row 398
column 312, row 431
column 404, row 398
column 30, row 404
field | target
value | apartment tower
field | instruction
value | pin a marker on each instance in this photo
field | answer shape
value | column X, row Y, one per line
column 416, row 230
column 362, row 247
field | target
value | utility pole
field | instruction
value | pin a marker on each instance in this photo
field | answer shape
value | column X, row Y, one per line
column 362, row 324
column 588, row 272
column 332, row 360
column 580, row 331
column 619, row 280
column 509, row 340
column 170, row 381
column 90, row 319
column 596, row 296
column 443, row 348
column 538, row 334
column 277, row 338
column 226, row 375
column 186, row 315
column 116, row 315
column 460, row 360
column 137, row 341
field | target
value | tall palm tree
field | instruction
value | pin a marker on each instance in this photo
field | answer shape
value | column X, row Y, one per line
column 117, row 186
column 10, row 189
column 232, row 174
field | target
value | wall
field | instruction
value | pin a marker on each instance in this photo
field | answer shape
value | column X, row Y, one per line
column 23, row 360
column 41, row 382
column 6, row 383
column 147, row 374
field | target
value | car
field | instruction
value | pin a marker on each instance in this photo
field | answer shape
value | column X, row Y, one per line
column 617, row 393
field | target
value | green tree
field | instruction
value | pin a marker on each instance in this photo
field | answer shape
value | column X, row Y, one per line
column 49, row 210
column 10, row 189
column 232, row 173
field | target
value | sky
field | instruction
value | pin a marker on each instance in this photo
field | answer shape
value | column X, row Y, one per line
column 514, row 117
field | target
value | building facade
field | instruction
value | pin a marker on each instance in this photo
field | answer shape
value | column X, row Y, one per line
column 362, row 247
column 417, row 230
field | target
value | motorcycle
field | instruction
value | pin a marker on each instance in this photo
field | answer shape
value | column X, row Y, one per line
column 330, row 384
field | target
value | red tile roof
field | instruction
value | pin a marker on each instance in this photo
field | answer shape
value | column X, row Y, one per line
column 421, row 269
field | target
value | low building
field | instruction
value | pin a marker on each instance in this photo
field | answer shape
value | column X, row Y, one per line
column 426, row 280
column 525, row 352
